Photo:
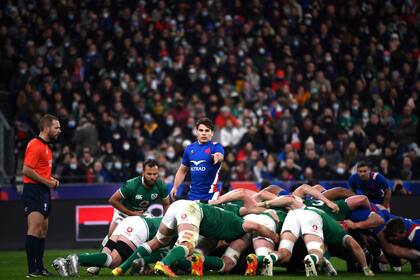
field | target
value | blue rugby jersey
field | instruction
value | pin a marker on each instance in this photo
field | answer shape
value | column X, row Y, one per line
column 204, row 174
column 374, row 188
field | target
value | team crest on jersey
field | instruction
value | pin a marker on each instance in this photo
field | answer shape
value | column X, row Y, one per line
column 154, row 196
column 139, row 196
column 192, row 151
column 207, row 151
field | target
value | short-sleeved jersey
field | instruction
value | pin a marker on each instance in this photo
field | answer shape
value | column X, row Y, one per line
column 204, row 174
column 333, row 233
column 138, row 197
column 374, row 188
column 342, row 214
column 220, row 224
column 38, row 156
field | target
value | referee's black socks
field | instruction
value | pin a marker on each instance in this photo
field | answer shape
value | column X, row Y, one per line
column 35, row 253
column 31, row 246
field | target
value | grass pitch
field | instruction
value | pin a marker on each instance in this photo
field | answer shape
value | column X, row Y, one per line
column 13, row 266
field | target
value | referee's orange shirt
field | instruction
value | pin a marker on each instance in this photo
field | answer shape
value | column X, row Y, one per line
column 38, row 156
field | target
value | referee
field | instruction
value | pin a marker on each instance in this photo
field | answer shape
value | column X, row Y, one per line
column 36, row 196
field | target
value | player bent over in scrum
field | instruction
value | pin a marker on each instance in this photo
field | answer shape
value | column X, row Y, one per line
column 130, row 233
column 313, row 225
column 188, row 220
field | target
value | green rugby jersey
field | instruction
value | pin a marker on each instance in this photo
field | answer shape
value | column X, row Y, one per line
column 138, row 197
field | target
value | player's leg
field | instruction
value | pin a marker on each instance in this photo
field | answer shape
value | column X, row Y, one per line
column 358, row 253
column 263, row 248
column 315, row 246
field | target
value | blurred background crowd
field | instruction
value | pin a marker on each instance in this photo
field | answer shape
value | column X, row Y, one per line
column 298, row 90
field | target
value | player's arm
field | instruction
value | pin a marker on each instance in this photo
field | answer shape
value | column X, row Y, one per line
column 337, row 193
column 305, row 189
column 165, row 204
column 31, row 173
column 264, row 231
column 238, row 194
column 373, row 221
column 116, row 201
column 281, row 201
column 179, row 178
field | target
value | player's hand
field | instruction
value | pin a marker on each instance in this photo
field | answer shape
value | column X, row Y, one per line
column 217, row 157
column 53, row 183
column 334, row 207
column 349, row 224
column 173, row 193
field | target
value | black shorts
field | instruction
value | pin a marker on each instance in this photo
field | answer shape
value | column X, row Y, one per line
column 36, row 198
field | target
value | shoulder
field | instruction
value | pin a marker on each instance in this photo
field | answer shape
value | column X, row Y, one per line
column 353, row 177
column 132, row 181
column 34, row 144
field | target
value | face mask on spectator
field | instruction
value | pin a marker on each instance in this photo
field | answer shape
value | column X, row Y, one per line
column 162, row 174
column 139, row 170
column 340, row 170
column 126, row 146
column 202, row 76
column 170, row 154
column 23, row 71
column 220, row 81
column 261, row 51
column 294, row 106
column 170, row 122
column 118, row 165
column 73, row 166
column 241, row 53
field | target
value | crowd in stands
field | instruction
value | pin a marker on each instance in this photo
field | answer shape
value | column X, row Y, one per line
column 298, row 90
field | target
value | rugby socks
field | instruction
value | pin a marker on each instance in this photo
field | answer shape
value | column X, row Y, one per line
column 184, row 265
column 155, row 256
column 274, row 257
column 214, row 263
column 95, row 259
column 31, row 247
column 314, row 258
column 177, row 253
column 143, row 251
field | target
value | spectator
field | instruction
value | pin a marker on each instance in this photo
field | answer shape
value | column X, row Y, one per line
column 86, row 161
column 85, row 135
column 100, row 174
column 72, row 173
column 324, row 172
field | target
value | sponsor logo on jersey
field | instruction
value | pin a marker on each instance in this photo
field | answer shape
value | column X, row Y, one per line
column 139, row 196
column 154, row 196
column 197, row 162
column 198, row 168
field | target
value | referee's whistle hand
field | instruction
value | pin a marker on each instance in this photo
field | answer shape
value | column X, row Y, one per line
column 53, row 183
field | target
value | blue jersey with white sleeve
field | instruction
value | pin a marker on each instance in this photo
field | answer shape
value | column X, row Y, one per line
column 374, row 188
column 204, row 174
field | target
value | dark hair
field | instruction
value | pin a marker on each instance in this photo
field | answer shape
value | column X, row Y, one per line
column 362, row 164
column 150, row 162
column 46, row 121
column 395, row 225
column 205, row 121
